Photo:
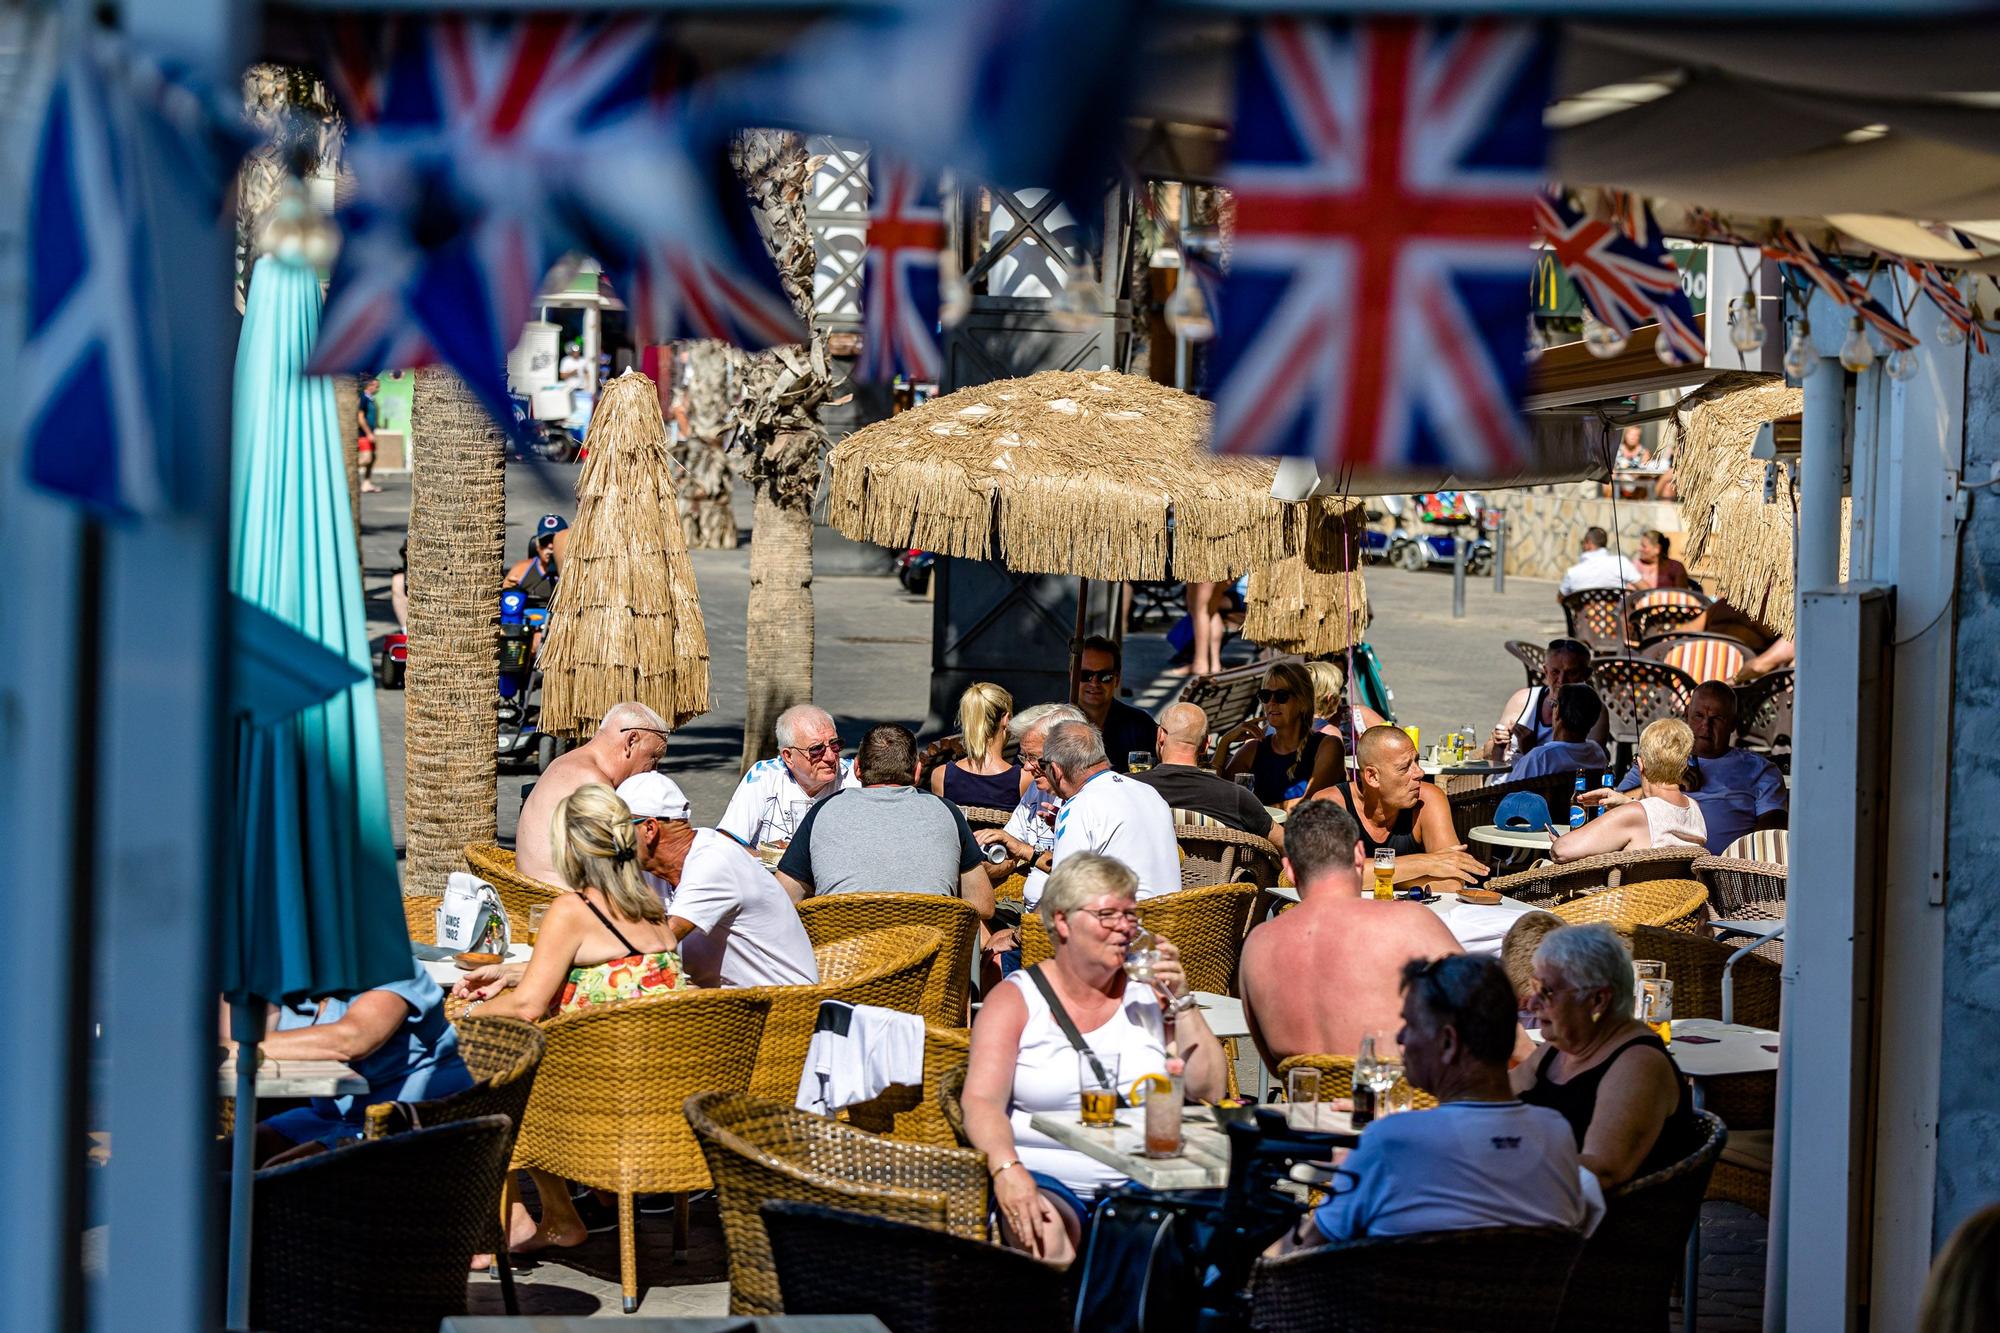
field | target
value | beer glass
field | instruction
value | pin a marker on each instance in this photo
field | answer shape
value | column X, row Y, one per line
column 1097, row 1094
column 1302, row 1098
column 1163, row 1118
column 535, row 915
column 1644, row 970
column 1385, row 873
column 1138, row 761
column 1657, row 1007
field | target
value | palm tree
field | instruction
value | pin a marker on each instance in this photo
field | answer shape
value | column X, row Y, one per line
column 458, row 515
column 779, row 394
column 707, row 521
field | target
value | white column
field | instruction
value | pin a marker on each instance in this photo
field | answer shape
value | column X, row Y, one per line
column 1823, row 433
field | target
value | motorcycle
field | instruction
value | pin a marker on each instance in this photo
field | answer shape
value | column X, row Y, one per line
column 913, row 570
column 392, row 659
column 521, row 743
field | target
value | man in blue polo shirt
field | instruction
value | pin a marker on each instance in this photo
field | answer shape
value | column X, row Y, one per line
column 1738, row 791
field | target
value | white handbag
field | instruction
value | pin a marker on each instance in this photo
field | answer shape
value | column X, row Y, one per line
column 471, row 918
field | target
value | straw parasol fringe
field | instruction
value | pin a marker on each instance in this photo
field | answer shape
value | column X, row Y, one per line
column 1745, row 547
column 1296, row 609
column 1062, row 472
column 458, row 509
column 626, row 622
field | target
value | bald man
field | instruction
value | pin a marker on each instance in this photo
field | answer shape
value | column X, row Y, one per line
column 1197, row 795
column 631, row 740
column 1397, row 809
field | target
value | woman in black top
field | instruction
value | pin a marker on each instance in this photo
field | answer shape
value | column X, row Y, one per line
column 983, row 777
column 1287, row 758
column 1603, row 1070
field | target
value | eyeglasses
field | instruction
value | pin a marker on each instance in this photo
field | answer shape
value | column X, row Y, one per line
column 1274, row 696
column 1097, row 677
column 1031, row 762
column 1107, row 917
column 1541, row 994
column 654, row 730
column 818, row 752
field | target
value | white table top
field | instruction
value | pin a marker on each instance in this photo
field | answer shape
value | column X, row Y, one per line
column 1204, row 1159
column 1511, row 837
column 1736, row 1048
column 294, row 1078
column 1478, row 927
column 1224, row 1014
column 446, row 971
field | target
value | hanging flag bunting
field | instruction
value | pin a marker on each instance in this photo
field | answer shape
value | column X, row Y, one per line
column 1945, row 295
column 1795, row 251
column 1626, row 278
column 1376, row 304
column 899, row 295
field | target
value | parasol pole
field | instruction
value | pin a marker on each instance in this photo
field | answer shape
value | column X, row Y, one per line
column 1077, row 635
column 246, row 1025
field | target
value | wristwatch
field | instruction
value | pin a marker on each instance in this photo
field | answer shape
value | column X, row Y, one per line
column 1010, row 1162
column 1185, row 1002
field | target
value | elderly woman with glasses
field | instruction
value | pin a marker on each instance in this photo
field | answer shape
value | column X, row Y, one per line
column 1024, row 1062
column 1607, row 1073
column 1278, row 747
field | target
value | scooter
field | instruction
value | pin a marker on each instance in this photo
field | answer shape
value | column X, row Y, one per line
column 1438, row 548
column 520, row 742
column 913, row 570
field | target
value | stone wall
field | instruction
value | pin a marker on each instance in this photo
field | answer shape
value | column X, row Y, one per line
column 1545, row 524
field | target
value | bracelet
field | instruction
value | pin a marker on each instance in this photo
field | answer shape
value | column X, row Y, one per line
column 1010, row 1162
column 1185, row 1002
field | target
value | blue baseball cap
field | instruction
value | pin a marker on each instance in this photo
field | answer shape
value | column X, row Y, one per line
column 1523, row 810
column 548, row 525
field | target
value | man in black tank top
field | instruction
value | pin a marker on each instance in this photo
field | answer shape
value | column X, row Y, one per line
column 1396, row 808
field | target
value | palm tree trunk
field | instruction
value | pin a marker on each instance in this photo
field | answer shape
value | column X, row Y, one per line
column 347, row 403
column 707, row 520
column 778, row 630
column 458, row 514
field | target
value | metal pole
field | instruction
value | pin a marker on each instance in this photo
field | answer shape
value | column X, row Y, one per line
column 1459, row 541
column 1499, row 551
column 1822, row 467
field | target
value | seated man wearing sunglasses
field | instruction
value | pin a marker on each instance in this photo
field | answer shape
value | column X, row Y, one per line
column 1125, row 729
column 1529, row 719
column 776, row 793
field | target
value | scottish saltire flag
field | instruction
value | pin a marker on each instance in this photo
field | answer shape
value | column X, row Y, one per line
column 1375, row 311
column 1949, row 300
column 1626, row 280
column 899, row 294
column 1795, row 251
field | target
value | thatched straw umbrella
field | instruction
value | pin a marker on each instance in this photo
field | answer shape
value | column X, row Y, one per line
column 458, row 514
column 1743, row 545
column 626, row 622
column 1063, row 472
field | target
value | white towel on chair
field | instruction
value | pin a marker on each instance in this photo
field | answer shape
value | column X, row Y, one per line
column 857, row 1052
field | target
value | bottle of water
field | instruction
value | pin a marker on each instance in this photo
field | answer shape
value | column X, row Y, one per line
column 1576, row 803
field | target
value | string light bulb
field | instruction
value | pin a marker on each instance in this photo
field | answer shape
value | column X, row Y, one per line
column 954, row 292
column 1746, row 328
column 1949, row 332
column 1187, row 310
column 1857, row 353
column 1800, row 359
column 1901, row 364
column 1538, row 341
column 1602, row 339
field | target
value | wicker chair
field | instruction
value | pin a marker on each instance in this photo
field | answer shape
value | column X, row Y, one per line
column 1336, row 1078
column 985, row 816
column 1637, row 691
column 1704, row 657
column 1764, row 713
column 339, row 1245
column 1533, row 657
column 1628, row 1267
column 1471, row 809
column 420, row 915
column 1206, row 924
column 1747, row 1103
column 1215, row 854
column 1679, row 905
column 841, row 916
column 931, row 1113
column 1596, row 616
column 891, row 968
column 914, row 1279
column 1494, row 1279
column 760, row 1149
column 1743, row 888
column 606, row 1109
column 517, row 892
column 1554, row 883
column 1695, row 963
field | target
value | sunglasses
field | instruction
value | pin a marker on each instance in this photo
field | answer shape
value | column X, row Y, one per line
column 818, row 752
column 1274, row 696
column 1097, row 677
column 654, row 730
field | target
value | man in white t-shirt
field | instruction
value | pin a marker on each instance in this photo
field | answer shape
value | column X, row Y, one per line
column 1030, row 833
column 1483, row 1158
column 776, row 793
column 1108, row 813
column 733, row 922
column 1597, row 567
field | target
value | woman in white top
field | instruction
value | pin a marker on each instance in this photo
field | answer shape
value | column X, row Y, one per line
column 1022, row 1064
column 1664, row 816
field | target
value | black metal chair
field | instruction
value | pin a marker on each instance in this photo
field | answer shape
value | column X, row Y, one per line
column 1597, row 617
column 1764, row 713
column 1637, row 691
column 1504, row 1279
column 1532, row 657
column 1655, row 611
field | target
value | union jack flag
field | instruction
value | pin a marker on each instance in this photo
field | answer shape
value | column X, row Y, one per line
column 1945, row 295
column 899, row 299
column 1792, row 249
column 1626, row 280
column 1376, row 306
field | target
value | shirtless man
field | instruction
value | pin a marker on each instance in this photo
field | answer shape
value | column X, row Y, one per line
column 1529, row 718
column 631, row 740
column 1326, row 973
column 1394, row 807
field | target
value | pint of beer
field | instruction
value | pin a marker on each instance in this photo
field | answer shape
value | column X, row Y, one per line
column 1385, row 873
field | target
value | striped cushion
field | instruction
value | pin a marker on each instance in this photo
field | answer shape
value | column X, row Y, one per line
column 1707, row 659
column 1771, row 846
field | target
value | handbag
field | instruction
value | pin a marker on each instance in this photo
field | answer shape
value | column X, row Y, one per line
column 470, row 914
column 1068, row 1026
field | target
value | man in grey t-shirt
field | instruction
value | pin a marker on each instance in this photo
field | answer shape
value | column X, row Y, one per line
column 887, row 835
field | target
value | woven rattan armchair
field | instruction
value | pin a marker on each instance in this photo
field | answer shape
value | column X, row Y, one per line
column 760, row 1149
column 341, row 1244
column 1637, row 691
column 1626, row 1273
column 1695, row 963
column 606, row 1109
column 914, row 1279
column 1213, row 854
column 1545, row 885
column 985, row 816
column 842, row 916
column 1747, row 1103
column 517, row 892
column 420, row 915
column 1533, row 657
column 1596, row 616
column 1494, row 1279
column 1336, row 1078
column 931, row 1113
column 889, row 967
column 1670, row 904
column 1471, row 809
column 1206, row 924
column 1740, row 889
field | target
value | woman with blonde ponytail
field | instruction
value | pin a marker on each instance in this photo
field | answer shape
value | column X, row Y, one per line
column 608, row 940
column 983, row 777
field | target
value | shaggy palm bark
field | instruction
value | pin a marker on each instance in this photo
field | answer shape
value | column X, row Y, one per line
column 458, row 514
column 778, row 400
column 707, row 519
column 347, row 404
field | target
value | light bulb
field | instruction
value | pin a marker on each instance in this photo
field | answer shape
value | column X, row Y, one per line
column 1187, row 311
column 1538, row 342
column 1079, row 306
column 1901, row 365
column 954, row 292
column 1857, row 353
column 1800, row 359
column 1746, row 330
column 1950, row 334
column 1602, row 339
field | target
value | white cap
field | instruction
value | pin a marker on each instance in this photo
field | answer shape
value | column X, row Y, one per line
column 653, row 795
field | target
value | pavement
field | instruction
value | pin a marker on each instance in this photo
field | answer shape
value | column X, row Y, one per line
column 871, row 664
